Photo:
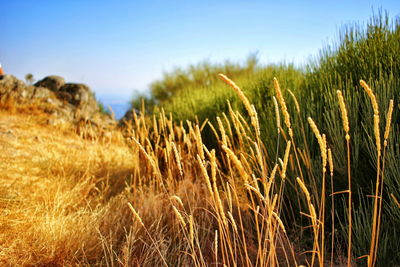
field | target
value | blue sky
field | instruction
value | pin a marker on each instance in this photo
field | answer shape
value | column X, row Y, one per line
column 118, row 46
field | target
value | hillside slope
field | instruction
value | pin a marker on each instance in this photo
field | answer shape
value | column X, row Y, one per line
column 54, row 190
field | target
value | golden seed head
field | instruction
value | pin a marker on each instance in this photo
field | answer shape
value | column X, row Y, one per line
column 278, row 117
column 282, row 103
column 330, row 160
column 222, row 129
column 395, row 200
column 178, row 199
column 273, row 172
column 321, row 141
column 136, row 214
column 240, row 93
column 314, row 127
column 199, row 142
column 216, row 241
column 237, row 163
column 179, row 216
column 255, row 190
column 313, row 214
column 377, row 134
column 177, row 157
column 155, row 127
column 371, row 96
column 324, row 153
column 255, row 122
column 290, row 132
column 280, row 161
column 205, row 174
column 149, row 158
column 303, row 188
column 388, row 120
column 286, row 159
column 233, row 221
column 343, row 111
column 280, row 223
column 295, row 101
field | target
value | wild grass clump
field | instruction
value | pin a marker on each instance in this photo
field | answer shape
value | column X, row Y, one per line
column 367, row 52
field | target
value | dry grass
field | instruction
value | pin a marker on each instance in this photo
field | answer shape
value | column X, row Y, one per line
column 52, row 185
column 156, row 195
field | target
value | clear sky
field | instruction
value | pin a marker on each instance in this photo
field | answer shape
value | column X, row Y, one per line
column 118, row 46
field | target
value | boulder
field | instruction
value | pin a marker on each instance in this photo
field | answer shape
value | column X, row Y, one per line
column 81, row 97
column 70, row 102
column 74, row 93
column 11, row 86
column 53, row 82
column 42, row 93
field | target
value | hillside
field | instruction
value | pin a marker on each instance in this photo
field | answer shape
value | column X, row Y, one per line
column 52, row 189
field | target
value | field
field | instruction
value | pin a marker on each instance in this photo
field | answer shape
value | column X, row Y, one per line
column 223, row 165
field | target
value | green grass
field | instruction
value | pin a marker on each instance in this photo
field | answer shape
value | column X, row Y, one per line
column 369, row 52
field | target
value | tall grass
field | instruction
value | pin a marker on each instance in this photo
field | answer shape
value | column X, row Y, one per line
column 243, row 185
column 367, row 52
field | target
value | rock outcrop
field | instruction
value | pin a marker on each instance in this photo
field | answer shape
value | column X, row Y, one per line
column 71, row 102
column 53, row 82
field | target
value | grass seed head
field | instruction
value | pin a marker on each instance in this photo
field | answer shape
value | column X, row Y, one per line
column 233, row 221
column 321, row 141
column 388, row 121
column 222, row 129
column 395, row 200
column 330, row 161
column 280, row 223
column 283, row 106
column 177, row 157
column 178, row 199
column 136, row 214
column 377, row 134
column 277, row 116
column 179, row 216
column 371, row 95
column 343, row 110
column 303, row 188
column 237, row 163
column 239, row 92
column 295, row 101
column 286, row 159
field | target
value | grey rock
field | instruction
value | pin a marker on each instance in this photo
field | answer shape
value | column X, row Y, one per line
column 74, row 93
column 53, row 82
column 41, row 92
column 65, row 101
column 10, row 85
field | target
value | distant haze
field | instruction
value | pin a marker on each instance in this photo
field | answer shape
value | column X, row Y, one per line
column 119, row 104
